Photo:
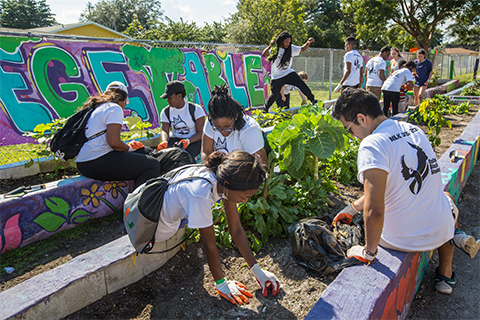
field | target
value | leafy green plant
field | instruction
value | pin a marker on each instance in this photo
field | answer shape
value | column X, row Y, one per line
column 473, row 90
column 136, row 124
column 445, row 105
column 434, row 79
column 342, row 165
column 267, row 119
column 310, row 135
column 429, row 113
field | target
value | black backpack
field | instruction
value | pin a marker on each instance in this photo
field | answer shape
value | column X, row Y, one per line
column 67, row 142
column 172, row 158
column 141, row 210
column 191, row 110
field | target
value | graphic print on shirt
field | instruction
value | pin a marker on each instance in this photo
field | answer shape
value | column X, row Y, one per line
column 220, row 145
column 371, row 70
column 180, row 126
column 420, row 173
column 357, row 64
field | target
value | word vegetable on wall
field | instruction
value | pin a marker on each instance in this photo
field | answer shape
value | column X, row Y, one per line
column 44, row 79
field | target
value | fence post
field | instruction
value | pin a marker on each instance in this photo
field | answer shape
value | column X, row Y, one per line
column 330, row 76
column 452, row 64
column 475, row 69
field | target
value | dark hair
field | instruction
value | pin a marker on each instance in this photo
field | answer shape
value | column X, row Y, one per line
column 385, row 49
column 410, row 65
column 353, row 101
column 351, row 40
column 222, row 105
column 238, row 170
column 288, row 51
column 114, row 95
column 183, row 93
column 422, row 51
column 401, row 64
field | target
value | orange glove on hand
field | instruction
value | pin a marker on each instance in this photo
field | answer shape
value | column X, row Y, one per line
column 361, row 254
column 233, row 291
column 135, row 145
column 345, row 216
column 265, row 279
column 185, row 142
column 163, row 145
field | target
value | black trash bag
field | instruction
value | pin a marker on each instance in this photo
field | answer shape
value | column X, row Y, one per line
column 315, row 246
column 172, row 158
column 349, row 235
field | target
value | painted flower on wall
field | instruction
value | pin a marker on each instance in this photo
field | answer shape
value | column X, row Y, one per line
column 92, row 195
column 115, row 187
column 11, row 234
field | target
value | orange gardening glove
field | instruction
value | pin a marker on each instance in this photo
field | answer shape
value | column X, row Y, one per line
column 185, row 143
column 135, row 145
column 345, row 216
column 407, row 88
column 163, row 145
column 233, row 291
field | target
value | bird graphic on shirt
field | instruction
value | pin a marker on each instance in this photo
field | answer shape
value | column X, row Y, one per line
column 180, row 126
column 220, row 145
column 420, row 173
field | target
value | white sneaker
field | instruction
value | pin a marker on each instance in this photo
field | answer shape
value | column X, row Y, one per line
column 444, row 284
column 466, row 243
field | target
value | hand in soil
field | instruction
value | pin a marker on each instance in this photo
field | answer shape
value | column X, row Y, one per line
column 233, row 291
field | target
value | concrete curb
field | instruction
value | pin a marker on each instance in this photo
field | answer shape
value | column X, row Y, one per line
column 385, row 289
column 83, row 280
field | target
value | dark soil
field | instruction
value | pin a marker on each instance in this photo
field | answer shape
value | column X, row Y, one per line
column 184, row 288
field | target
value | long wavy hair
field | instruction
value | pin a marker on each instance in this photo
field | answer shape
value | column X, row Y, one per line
column 287, row 55
column 114, row 95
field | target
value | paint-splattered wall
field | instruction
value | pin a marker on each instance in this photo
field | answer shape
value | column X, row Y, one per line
column 42, row 80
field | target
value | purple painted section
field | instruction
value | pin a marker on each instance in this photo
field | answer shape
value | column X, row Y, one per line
column 385, row 289
column 62, row 205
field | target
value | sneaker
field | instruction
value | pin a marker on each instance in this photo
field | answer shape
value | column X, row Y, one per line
column 444, row 284
column 314, row 102
column 466, row 243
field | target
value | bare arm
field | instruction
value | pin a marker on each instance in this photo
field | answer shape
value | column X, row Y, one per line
column 347, row 73
column 263, row 158
column 207, row 147
column 266, row 51
column 113, row 137
column 211, row 252
column 374, row 206
column 307, row 44
column 235, row 229
column 165, row 134
column 361, row 77
column 282, row 93
column 199, row 123
column 381, row 74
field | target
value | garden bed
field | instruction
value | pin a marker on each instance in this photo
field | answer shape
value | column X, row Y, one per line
column 188, row 270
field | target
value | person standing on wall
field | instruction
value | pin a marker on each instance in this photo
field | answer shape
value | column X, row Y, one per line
column 107, row 157
column 282, row 72
column 394, row 66
column 423, row 74
column 375, row 72
column 183, row 118
column 352, row 67
column 284, row 99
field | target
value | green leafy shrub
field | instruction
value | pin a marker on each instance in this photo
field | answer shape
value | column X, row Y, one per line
column 473, row 90
column 267, row 119
column 342, row 165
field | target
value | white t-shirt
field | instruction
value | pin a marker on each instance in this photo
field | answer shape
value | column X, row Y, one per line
column 249, row 138
column 397, row 79
column 418, row 215
column 104, row 114
column 181, row 122
column 189, row 199
column 357, row 62
column 373, row 66
column 279, row 72
column 288, row 88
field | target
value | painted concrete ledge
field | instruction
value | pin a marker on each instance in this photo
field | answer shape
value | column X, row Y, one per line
column 83, row 280
column 61, row 205
column 385, row 289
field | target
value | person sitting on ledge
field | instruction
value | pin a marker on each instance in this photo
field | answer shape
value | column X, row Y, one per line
column 404, row 205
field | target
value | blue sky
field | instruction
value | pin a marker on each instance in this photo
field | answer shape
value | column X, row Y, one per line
column 200, row 11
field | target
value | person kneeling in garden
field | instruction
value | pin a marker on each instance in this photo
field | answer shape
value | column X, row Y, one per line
column 404, row 205
column 233, row 178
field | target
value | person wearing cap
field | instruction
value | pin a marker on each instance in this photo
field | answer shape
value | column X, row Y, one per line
column 107, row 157
column 184, row 119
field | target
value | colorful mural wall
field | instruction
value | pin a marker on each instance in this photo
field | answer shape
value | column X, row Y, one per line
column 44, row 79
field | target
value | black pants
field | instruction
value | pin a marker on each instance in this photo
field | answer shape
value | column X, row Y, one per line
column 292, row 78
column 394, row 98
column 283, row 104
column 193, row 148
column 122, row 165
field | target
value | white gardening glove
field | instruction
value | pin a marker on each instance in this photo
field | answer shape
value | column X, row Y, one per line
column 233, row 291
column 265, row 279
column 361, row 254
column 337, row 88
column 345, row 216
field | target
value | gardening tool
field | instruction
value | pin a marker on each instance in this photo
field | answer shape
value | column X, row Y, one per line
column 456, row 154
column 22, row 190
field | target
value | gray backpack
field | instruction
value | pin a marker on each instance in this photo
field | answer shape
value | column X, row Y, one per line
column 141, row 210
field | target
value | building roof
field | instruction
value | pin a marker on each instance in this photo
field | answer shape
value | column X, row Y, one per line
column 461, row 51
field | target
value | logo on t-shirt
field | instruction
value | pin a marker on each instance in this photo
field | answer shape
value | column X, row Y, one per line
column 419, row 174
column 220, row 145
column 356, row 63
column 180, row 126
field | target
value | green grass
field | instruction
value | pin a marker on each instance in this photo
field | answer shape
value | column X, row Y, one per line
column 464, row 79
column 320, row 91
column 18, row 152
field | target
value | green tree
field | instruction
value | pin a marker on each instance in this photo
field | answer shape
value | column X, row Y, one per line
column 118, row 14
column 258, row 21
column 466, row 27
column 25, row 14
column 213, row 33
column 419, row 18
